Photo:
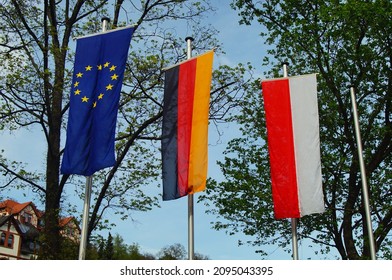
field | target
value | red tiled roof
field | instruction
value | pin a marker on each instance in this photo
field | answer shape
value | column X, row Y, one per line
column 12, row 207
column 65, row 221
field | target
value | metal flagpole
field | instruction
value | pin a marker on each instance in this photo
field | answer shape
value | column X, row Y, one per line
column 294, row 221
column 105, row 23
column 363, row 175
column 191, row 231
column 83, row 239
column 87, row 197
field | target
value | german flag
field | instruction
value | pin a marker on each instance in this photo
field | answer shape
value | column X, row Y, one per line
column 185, row 126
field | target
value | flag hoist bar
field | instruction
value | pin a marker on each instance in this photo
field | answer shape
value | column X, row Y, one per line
column 87, row 196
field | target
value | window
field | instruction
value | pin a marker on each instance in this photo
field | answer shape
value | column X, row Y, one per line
column 26, row 218
column 2, row 239
column 10, row 241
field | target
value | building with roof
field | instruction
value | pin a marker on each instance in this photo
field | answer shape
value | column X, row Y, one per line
column 20, row 226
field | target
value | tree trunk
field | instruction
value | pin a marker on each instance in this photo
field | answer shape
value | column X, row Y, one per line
column 52, row 238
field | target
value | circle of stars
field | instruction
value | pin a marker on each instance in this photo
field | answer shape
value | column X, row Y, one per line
column 101, row 67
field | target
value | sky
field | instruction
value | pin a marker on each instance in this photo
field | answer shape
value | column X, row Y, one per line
column 168, row 224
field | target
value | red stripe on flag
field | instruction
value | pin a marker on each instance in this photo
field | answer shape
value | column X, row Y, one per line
column 186, row 87
column 277, row 105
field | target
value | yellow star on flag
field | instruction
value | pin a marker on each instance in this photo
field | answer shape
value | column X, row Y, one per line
column 88, row 68
column 77, row 92
column 85, row 99
column 79, row 75
column 109, row 87
column 100, row 96
column 106, row 64
column 112, row 68
column 99, row 67
column 76, row 84
column 114, row 77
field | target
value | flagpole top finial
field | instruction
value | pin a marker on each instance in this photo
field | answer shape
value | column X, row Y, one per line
column 105, row 19
column 189, row 38
column 285, row 63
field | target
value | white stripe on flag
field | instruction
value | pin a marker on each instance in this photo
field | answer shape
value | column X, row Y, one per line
column 303, row 94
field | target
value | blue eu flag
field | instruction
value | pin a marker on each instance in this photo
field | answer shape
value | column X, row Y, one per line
column 95, row 92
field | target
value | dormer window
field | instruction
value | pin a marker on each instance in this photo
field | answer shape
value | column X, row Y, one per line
column 26, row 218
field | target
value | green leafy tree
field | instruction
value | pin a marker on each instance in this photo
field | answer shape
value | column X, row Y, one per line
column 101, row 249
column 173, row 252
column 70, row 249
column 199, row 256
column 347, row 43
column 120, row 248
column 92, row 252
column 135, row 254
column 36, row 53
column 177, row 252
column 109, row 248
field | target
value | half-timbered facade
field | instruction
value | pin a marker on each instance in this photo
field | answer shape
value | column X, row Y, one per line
column 20, row 226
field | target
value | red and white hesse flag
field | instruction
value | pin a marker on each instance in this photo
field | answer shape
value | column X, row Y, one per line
column 294, row 145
